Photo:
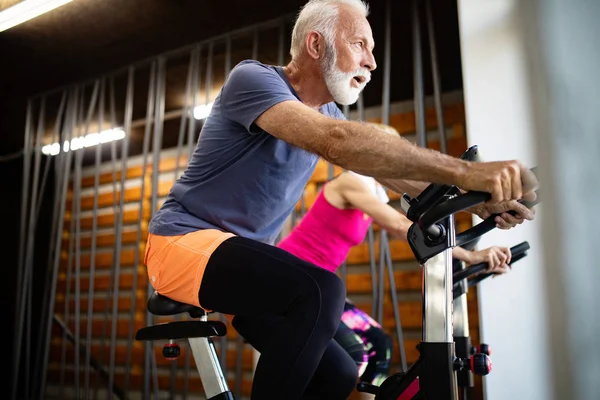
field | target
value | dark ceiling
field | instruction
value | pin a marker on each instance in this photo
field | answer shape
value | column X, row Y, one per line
column 85, row 38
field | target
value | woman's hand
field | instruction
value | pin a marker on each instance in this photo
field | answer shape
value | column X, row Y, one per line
column 497, row 258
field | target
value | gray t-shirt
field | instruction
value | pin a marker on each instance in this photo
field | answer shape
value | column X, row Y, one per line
column 240, row 178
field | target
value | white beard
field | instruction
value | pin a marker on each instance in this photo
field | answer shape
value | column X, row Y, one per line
column 338, row 82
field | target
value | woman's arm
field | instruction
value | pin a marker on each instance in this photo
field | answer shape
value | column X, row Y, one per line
column 359, row 196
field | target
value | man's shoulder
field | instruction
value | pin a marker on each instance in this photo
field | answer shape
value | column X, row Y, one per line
column 252, row 67
column 251, row 76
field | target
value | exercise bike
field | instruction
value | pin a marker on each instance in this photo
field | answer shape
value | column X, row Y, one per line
column 431, row 237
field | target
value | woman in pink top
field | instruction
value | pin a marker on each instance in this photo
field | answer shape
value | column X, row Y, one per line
column 338, row 220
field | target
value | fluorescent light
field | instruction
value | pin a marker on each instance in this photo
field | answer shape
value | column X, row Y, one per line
column 202, row 111
column 26, row 10
column 89, row 140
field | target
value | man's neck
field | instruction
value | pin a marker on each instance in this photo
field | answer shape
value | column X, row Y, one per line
column 307, row 81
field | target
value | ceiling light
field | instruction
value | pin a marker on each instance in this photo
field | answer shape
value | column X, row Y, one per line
column 26, row 10
column 89, row 140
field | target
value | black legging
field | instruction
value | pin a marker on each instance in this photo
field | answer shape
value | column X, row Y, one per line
column 289, row 310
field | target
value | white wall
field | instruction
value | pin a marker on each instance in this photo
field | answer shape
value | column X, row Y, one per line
column 563, row 42
column 499, row 120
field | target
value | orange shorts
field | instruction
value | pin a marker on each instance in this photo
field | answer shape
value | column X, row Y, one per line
column 176, row 264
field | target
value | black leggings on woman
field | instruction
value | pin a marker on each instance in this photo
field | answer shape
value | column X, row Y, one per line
column 289, row 310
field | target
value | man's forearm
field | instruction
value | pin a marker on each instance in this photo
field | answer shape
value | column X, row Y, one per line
column 365, row 149
column 401, row 186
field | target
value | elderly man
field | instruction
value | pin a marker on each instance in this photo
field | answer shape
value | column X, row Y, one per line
column 210, row 244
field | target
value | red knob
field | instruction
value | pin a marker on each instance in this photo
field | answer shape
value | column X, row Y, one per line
column 171, row 351
column 481, row 364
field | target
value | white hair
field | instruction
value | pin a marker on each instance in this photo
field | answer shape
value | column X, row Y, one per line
column 320, row 16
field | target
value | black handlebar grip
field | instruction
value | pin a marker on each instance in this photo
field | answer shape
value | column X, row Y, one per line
column 475, row 269
column 520, row 248
column 467, row 272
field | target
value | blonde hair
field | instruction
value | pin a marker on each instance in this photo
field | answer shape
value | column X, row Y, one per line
column 320, row 16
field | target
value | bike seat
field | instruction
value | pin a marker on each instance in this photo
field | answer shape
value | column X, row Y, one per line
column 162, row 305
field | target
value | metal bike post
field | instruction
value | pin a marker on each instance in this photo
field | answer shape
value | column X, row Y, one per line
column 438, row 380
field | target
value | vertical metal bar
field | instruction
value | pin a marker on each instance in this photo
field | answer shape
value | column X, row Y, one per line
column 103, row 334
column 346, row 111
column 29, row 257
column 114, row 297
column 281, row 44
column 224, row 348
column 53, row 232
column 136, row 258
column 28, row 333
column 344, row 272
column 387, row 57
column 437, row 86
column 195, row 90
column 77, row 202
column 374, row 290
column 154, row 376
column 396, row 308
column 381, row 294
column 209, row 72
column 302, row 205
column 255, row 44
column 158, row 130
column 47, row 165
column 227, row 56
column 238, row 367
column 418, row 77
column 186, row 371
column 146, row 145
column 361, row 108
column 88, row 340
column 294, row 217
column 71, row 257
column 58, row 240
column 185, row 113
column 63, row 342
column 118, row 235
column 24, row 202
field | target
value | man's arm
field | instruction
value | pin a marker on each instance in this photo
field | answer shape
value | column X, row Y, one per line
column 364, row 149
column 401, row 186
column 357, row 146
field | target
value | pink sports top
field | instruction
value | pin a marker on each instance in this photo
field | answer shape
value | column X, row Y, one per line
column 326, row 234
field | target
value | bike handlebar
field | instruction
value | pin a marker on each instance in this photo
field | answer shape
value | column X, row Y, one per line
column 427, row 222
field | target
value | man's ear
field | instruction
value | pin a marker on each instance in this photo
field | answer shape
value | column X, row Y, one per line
column 315, row 45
